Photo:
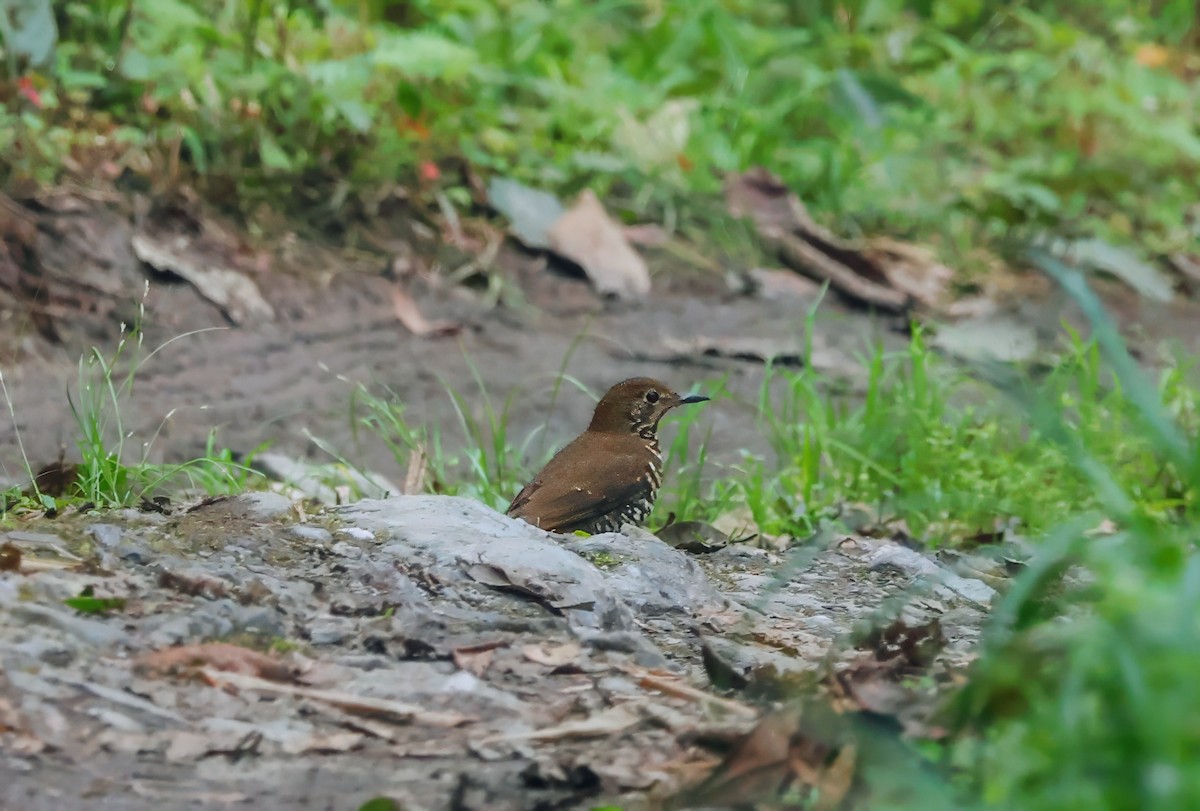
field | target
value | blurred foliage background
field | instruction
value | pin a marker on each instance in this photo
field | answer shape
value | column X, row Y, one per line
column 951, row 121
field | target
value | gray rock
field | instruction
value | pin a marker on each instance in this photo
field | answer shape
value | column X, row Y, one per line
column 107, row 535
column 93, row 632
column 652, row 577
column 330, row 630
column 346, row 550
column 453, row 537
column 265, row 506
column 317, row 535
column 913, row 563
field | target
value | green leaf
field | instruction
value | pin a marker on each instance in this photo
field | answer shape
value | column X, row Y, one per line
column 87, row 603
column 424, row 55
column 380, row 804
column 28, row 28
column 273, row 157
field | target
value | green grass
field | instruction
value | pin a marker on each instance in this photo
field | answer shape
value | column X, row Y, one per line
column 114, row 467
column 955, row 122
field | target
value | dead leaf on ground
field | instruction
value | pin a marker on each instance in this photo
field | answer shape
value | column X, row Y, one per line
column 56, row 478
column 531, row 212
column 476, row 659
column 671, row 685
column 587, row 236
column 235, row 294
column 648, row 235
column 381, row 708
column 784, row 751
column 552, row 655
column 772, row 283
column 911, row 269
column 607, row 722
column 1124, row 263
column 883, row 274
column 998, row 338
column 10, row 558
column 778, row 351
column 408, row 314
column 696, row 537
column 191, row 660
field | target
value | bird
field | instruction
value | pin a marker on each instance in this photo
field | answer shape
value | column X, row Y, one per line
column 610, row 474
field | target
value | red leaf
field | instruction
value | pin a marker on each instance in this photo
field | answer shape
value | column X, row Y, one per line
column 25, row 88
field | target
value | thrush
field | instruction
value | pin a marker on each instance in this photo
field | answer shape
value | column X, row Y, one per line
column 609, row 475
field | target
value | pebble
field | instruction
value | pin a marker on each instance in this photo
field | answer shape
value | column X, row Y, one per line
column 107, row 535
column 306, row 533
column 346, row 550
column 357, row 533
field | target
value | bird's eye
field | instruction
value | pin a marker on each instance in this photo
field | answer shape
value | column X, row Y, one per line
column 652, row 396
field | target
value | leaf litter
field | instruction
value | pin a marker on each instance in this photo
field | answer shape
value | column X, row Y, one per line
column 439, row 661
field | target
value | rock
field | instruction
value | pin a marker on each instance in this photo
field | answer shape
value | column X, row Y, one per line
column 913, row 563
column 357, row 533
column 652, row 577
column 107, row 535
column 265, row 506
column 346, row 550
column 330, row 630
column 460, row 540
column 313, row 534
column 93, row 632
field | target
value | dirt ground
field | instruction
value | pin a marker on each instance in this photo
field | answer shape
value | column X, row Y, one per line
column 334, row 326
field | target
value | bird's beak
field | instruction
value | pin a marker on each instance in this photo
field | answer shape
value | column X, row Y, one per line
column 693, row 398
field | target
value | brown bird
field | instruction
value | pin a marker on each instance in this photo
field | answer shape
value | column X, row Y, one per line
column 609, row 475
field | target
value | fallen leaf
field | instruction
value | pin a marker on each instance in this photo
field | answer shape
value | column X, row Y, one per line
column 649, row 235
column 608, row 722
column 235, row 294
column 384, row 709
column 588, row 237
column 552, row 655
column 1000, row 338
column 659, row 139
column 56, row 478
column 912, row 269
column 1123, row 263
column 778, row 351
column 476, row 659
column 696, row 537
column 408, row 314
column 10, row 558
column 772, row 283
column 784, row 224
column 190, row 660
column 88, row 603
column 530, row 212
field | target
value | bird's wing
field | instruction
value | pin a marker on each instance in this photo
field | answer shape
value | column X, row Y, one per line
column 551, row 501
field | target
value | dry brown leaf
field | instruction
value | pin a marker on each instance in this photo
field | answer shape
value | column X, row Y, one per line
column 10, row 558
column 552, row 655
column 476, row 659
column 190, row 660
column 911, row 269
column 235, row 294
column 784, row 224
column 408, row 314
column 670, row 685
column 414, row 478
column 587, row 236
column 380, row 708
column 772, row 283
column 835, row 782
column 608, row 722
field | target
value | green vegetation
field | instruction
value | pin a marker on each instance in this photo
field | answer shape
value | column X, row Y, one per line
column 954, row 121
column 115, row 467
